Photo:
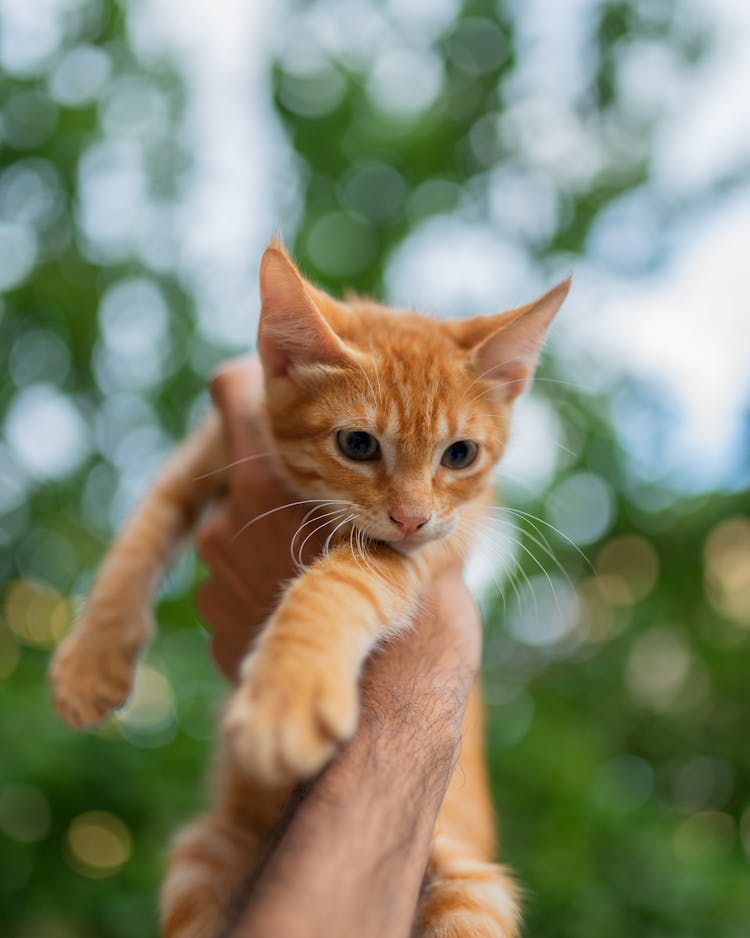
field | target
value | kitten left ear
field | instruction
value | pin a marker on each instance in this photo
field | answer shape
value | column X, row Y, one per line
column 510, row 352
column 292, row 330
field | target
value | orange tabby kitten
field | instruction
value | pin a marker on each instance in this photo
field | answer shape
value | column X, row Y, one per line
column 394, row 422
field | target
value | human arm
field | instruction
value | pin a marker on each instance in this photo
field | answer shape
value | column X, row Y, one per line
column 353, row 854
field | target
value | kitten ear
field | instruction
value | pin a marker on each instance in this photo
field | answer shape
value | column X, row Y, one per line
column 292, row 330
column 509, row 353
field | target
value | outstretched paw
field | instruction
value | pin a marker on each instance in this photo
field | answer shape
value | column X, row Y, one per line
column 91, row 675
column 288, row 717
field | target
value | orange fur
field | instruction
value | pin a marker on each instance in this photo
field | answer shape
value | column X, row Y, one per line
column 417, row 386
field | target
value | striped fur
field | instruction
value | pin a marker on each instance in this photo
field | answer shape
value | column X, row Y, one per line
column 418, row 386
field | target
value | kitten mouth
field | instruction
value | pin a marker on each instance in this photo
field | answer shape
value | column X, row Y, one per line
column 403, row 543
column 406, row 546
column 410, row 542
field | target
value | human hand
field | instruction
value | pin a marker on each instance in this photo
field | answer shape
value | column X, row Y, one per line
column 249, row 559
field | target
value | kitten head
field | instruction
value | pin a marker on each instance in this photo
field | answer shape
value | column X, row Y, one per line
column 398, row 419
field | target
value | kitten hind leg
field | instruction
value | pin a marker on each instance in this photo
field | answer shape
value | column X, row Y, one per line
column 213, row 859
column 209, row 863
column 465, row 897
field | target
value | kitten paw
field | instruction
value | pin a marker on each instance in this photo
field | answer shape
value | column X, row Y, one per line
column 287, row 719
column 91, row 675
column 466, row 898
column 466, row 924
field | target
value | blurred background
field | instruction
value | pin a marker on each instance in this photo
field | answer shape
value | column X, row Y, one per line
column 459, row 157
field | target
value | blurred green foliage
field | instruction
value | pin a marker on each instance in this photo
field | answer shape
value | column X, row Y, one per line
column 617, row 742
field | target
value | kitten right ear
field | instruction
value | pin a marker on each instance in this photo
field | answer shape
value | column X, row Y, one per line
column 292, row 330
column 505, row 348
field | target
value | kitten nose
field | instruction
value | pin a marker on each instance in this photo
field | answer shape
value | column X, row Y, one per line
column 409, row 524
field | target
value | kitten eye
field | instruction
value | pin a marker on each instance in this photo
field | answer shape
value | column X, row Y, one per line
column 357, row 444
column 460, row 454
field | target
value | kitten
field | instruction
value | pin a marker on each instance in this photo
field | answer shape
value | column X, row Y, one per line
column 402, row 418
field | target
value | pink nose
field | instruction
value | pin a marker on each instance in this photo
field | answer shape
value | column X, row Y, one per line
column 409, row 524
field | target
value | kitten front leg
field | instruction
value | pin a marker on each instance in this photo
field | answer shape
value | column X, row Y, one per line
column 298, row 697
column 93, row 669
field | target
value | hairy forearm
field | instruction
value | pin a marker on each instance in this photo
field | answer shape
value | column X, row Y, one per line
column 352, row 856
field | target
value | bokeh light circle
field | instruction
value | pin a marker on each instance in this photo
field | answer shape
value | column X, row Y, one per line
column 582, row 507
column 98, row 844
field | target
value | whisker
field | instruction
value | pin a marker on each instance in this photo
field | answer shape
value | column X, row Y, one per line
column 514, row 536
column 380, row 398
column 231, row 465
column 476, row 541
column 571, row 384
column 518, row 573
column 483, row 374
column 544, row 545
column 352, row 548
column 486, row 528
column 365, row 548
column 355, row 543
column 333, row 516
column 518, row 431
column 302, row 524
column 338, row 526
column 562, row 534
column 543, row 569
column 529, row 521
column 582, row 389
column 312, row 533
column 516, row 479
column 494, row 386
column 565, row 449
column 367, row 556
column 303, row 501
column 369, row 383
